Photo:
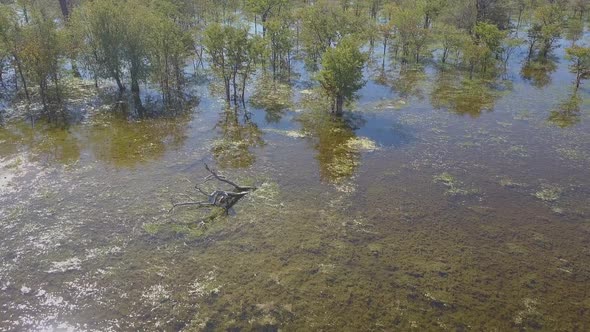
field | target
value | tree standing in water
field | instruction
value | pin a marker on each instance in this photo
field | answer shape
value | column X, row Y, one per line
column 342, row 73
column 579, row 62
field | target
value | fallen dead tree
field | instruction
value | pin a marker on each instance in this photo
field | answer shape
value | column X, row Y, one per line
column 218, row 198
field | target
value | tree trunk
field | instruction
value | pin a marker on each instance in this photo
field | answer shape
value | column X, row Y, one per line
column 243, row 96
column 135, row 91
column 119, row 83
column 339, row 104
column 264, row 17
column 22, row 78
column 65, row 10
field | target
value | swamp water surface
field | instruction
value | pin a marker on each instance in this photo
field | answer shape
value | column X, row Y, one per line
column 437, row 204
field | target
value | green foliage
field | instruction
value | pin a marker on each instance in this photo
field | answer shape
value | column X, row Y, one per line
column 546, row 29
column 102, row 30
column 324, row 24
column 138, row 38
column 280, row 40
column 412, row 35
column 41, row 54
column 490, row 35
column 233, row 53
column 265, row 8
column 452, row 40
column 579, row 62
column 342, row 72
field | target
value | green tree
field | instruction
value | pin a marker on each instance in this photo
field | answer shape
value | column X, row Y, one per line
column 233, row 55
column 280, row 38
column 324, row 24
column 341, row 75
column 413, row 37
column 101, row 27
column 41, row 56
column 140, row 22
column 490, row 39
column 546, row 29
column 451, row 39
column 265, row 9
column 170, row 47
column 11, row 35
column 579, row 58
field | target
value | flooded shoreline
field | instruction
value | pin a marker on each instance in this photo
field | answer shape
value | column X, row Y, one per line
column 441, row 204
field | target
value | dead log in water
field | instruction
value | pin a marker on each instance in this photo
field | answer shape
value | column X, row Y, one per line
column 219, row 198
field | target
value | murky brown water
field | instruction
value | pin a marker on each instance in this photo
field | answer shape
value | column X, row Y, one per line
column 438, row 204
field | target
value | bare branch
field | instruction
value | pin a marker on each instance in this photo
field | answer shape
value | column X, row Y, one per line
column 224, row 179
column 219, row 198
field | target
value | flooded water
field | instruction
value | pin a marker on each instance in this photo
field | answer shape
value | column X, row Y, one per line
column 438, row 203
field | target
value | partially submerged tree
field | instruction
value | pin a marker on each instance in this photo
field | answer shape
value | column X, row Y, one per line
column 546, row 29
column 265, row 9
column 41, row 54
column 341, row 75
column 233, row 54
column 11, row 39
column 102, row 28
column 579, row 63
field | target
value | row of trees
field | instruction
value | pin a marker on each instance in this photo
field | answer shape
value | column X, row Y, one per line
column 130, row 42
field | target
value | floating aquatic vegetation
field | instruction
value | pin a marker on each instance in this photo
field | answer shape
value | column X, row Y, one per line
column 362, row 144
column 567, row 113
column 522, row 115
column 155, row 295
column 528, row 314
column 573, row 154
column 272, row 96
column 454, row 187
column 518, row 150
column 548, row 193
column 267, row 194
column 205, row 285
column 509, row 183
column 287, row 133
column 386, row 105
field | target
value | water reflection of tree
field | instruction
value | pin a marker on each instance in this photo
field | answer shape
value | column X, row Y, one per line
column 461, row 96
column 238, row 136
column 410, row 82
column 272, row 97
column 567, row 113
column 116, row 139
column 538, row 72
column 45, row 142
column 407, row 80
column 333, row 138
